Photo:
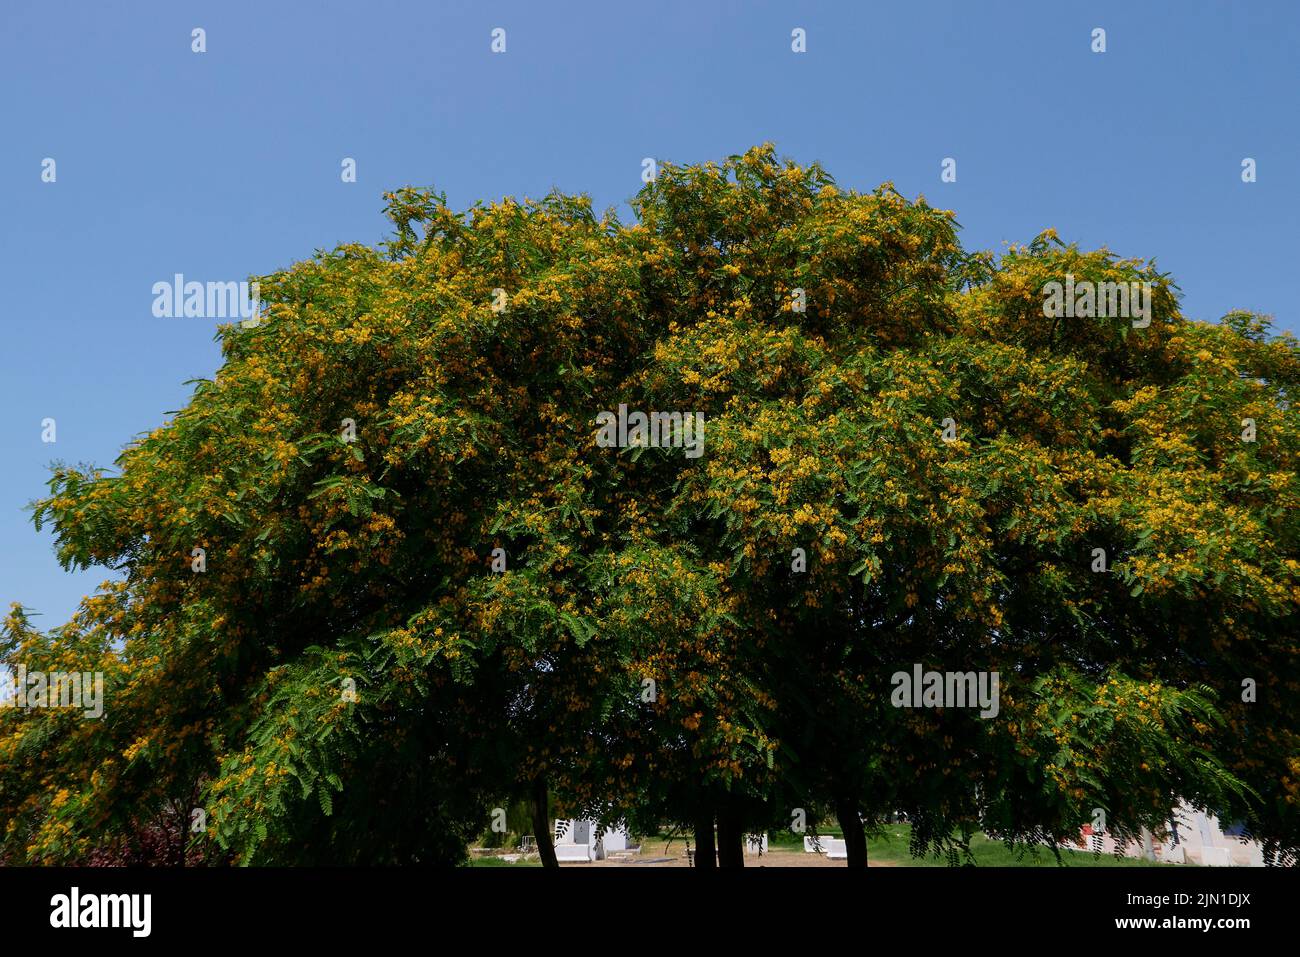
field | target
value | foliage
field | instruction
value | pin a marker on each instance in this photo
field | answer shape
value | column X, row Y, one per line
column 335, row 565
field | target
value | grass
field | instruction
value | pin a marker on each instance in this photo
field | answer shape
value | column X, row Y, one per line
column 892, row 846
column 500, row 862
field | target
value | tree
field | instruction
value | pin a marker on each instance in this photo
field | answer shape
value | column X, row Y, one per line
column 425, row 582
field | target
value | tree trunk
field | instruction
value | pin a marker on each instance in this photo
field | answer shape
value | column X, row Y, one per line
column 706, row 852
column 731, row 838
column 855, row 837
column 542, row 825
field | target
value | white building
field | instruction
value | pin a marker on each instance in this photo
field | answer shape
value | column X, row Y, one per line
column 1194, row 837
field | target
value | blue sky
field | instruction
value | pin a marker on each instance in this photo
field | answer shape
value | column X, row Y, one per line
column 226, row 164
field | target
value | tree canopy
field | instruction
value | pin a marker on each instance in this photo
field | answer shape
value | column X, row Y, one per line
column 380, row 572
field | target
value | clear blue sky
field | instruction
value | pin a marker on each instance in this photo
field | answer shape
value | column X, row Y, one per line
column 227, row 164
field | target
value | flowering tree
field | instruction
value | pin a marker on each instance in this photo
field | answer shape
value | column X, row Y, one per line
column 385, row 568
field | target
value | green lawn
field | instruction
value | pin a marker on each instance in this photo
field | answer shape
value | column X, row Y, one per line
column 892, row 847
column 498, row 862
column 888, row 847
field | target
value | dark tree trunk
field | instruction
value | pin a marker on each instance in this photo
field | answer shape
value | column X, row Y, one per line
column 731, row 838
column 542, row 825
column 706, row 853
column 182, row 835
column 855, row 837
